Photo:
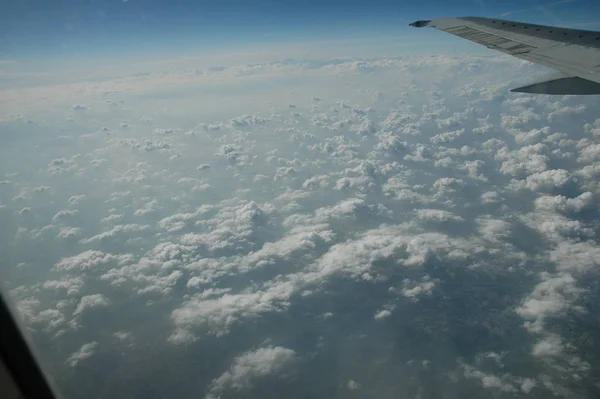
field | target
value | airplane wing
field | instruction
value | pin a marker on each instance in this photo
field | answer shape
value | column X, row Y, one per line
column 575, row 54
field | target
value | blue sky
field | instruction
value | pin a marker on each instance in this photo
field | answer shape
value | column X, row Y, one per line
column 68, row 27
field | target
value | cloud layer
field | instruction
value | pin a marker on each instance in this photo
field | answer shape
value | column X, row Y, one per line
column 398, row 227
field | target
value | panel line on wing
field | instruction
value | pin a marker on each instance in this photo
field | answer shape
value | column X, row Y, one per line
column 490, row 39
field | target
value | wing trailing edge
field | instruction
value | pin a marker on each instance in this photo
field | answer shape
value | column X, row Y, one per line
column 560, row 84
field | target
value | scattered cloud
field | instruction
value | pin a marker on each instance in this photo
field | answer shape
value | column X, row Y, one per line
column 89, row 260
column 85, row 352
column 90, row 301
column 253, row 365
column 345, row 206
column 382, row 314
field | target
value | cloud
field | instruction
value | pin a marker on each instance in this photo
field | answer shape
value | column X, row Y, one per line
column 490, row 381
column 253, row 365
column 525, row 160
column 217, row 315
column 146, row 209
column 236, row 227
column 65, row 214
column 246, row 120
column 122, row 335
column 113, row 218
column 437, row 215
column 90, row 301
column 89, row 260
column 354, row 221
column 414, row 290
column 177, row 222
column 563, row 204
column 71, row 284
column 382, row 314
column 122, row 229
column 527, row 385
column 159, row 285
column 557, row 227
column 234, row 154
column 51, row 319
column 490, row 197
column 548, row 180
column 549, row 346
column 70, row 232
column 298, row 243
column 353, row 207
column 576, row 256
column 551, row 297
column 76, row 199
column 566, row 112
column 85, row 352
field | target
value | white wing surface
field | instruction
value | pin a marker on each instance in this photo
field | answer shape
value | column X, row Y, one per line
column 574, row 53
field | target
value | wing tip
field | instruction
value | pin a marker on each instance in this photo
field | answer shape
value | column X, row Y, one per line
column 420, row 23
